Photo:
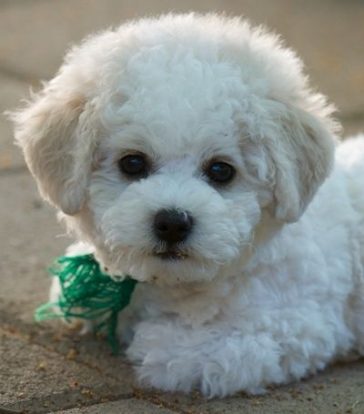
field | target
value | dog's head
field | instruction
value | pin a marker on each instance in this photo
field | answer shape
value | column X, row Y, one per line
column 167, row 141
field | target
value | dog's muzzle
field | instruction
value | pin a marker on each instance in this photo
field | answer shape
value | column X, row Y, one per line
column 172, row 227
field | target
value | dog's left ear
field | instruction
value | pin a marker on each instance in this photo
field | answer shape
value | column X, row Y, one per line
column 302, row 154
column 56, row 134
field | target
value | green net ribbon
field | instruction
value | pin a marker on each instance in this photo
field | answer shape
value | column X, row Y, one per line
column 88, row 293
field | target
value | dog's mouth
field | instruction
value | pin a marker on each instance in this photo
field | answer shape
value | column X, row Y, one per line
column 170, row 254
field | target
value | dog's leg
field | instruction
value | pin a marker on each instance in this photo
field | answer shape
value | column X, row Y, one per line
column 220, row 360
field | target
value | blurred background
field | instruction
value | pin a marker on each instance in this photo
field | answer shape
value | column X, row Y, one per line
column 34, row 34
column 328, row 35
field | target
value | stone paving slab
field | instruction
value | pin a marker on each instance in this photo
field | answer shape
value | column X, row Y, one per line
column 131, row 406
column 30, row 240
column 65, row 340
column 38, row 380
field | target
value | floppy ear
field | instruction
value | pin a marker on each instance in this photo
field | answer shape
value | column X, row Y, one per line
column 58, row 144
column 302, row 153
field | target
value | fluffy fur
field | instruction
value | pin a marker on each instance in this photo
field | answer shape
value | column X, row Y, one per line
column 272, row 286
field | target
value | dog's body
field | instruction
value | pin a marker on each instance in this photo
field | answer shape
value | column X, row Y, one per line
column 185, row 151
column 296, row 306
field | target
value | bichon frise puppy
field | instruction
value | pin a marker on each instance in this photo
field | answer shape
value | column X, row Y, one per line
column 189, row 152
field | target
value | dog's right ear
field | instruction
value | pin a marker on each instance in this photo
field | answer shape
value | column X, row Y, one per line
column 58, row 145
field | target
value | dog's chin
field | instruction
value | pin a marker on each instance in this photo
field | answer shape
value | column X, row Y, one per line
column 168, row 267
column 175, row 268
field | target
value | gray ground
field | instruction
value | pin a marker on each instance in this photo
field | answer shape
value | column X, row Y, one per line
column 45, row 368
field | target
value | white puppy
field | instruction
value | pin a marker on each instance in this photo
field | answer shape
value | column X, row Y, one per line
column 189, row 152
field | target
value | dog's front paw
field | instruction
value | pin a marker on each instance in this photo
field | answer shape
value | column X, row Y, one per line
column 218, row 365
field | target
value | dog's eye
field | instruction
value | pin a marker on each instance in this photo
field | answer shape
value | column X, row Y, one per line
column 220, row 172
column 134, row 166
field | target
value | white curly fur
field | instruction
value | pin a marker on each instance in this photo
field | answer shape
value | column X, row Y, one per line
column 272, row 289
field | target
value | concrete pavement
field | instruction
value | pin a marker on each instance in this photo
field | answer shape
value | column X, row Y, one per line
column 45, row 368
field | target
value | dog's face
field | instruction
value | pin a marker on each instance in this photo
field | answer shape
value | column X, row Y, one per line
column 166, row 151
column 171, row 193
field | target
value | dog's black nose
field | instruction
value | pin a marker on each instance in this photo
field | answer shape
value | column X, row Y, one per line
column 172, row 226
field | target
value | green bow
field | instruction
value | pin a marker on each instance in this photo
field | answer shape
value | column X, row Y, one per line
column 88, row 293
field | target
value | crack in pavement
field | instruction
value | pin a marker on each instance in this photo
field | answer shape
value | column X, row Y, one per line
column 64, row 401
